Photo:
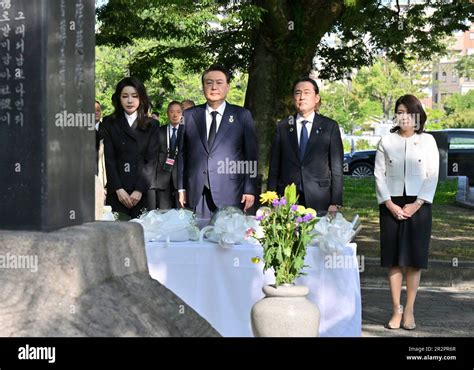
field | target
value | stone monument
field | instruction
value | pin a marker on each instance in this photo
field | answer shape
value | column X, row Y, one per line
column 61, row 275
column 46, row 113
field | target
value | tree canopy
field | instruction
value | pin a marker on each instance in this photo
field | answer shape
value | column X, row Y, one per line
column 460, row 110
column 465, row 66
column 370, row 95
column 204, row 31
column 276, row 41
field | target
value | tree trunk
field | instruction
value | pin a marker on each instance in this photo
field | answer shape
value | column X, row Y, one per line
column 282, row 53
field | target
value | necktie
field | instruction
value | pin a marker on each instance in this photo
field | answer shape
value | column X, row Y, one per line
column 173, row 140
column 303, row 139
column 212, row 131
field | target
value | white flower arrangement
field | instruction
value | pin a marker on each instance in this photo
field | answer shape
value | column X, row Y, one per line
column 332, row 234
column 230, row 226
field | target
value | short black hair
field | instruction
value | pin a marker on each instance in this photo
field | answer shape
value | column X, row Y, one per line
column 98, row 102
column 220, row 68
column 414, row 106
column 306, row 79
column 174, row 102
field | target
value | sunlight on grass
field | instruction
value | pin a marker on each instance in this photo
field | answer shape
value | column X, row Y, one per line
column 453, row 226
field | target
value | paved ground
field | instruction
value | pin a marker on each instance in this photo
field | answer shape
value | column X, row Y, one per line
column 439, row 312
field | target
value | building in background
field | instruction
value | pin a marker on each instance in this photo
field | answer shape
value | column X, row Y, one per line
column 446, row 80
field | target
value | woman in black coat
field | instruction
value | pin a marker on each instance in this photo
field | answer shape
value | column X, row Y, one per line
column 131, row 148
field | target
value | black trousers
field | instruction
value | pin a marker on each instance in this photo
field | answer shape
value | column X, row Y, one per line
column 302, row 201
column 206, row 206
column 163, row 198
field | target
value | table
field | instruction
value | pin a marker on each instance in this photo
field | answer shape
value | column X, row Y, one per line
column 222, row 284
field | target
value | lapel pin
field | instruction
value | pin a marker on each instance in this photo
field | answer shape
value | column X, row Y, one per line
column 231, row 119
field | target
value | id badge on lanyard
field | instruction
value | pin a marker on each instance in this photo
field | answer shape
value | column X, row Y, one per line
column 170, row 159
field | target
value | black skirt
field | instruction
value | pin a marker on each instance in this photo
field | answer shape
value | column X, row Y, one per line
column 405, row 243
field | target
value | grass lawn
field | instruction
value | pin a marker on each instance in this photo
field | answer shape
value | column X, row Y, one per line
column 453, row 226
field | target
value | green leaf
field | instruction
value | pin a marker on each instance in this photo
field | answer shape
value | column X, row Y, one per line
column 290, row 194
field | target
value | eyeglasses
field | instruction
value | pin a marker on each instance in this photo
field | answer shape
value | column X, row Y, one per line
column 299, row 93
column 210, row 83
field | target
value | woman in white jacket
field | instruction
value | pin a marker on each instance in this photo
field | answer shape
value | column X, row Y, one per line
column 406, row 175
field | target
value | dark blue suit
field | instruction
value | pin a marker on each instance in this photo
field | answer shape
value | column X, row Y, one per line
column 235, row 141
column 319, row 174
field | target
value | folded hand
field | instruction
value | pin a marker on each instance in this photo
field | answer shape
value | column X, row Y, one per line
column 135, row 197
column 124, row 198
column 411, row 208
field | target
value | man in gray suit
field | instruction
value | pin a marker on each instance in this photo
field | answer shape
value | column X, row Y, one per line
column 217, row 160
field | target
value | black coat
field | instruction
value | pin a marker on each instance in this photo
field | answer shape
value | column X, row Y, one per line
column 319, row 174
column 130, row 155
column 161, row 179
column 98, row 136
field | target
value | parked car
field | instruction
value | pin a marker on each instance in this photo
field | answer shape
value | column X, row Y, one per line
column 457, row 143
column 359, row 163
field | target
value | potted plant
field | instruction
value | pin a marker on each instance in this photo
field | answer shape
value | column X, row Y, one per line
column 284, row 236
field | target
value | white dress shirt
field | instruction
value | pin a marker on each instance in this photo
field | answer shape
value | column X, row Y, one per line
column 299, row 125
column 131, row 118
column 406, row 163
column 220, row 110
column 170, row 130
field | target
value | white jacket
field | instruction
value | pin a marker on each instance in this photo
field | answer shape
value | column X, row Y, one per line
column 411, row 162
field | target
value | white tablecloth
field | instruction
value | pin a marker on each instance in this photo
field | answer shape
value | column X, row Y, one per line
column 223, row 284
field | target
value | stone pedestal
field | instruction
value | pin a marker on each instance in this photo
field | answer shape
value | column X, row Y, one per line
column 89, row 280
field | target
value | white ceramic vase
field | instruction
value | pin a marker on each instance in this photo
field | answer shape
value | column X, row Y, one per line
column 285, row 312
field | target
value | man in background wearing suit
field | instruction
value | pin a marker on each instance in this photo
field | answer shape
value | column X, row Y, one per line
column 307, row 150
column 186, row 104
column 219, row 151
column 165, row 180
column 100, row 178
